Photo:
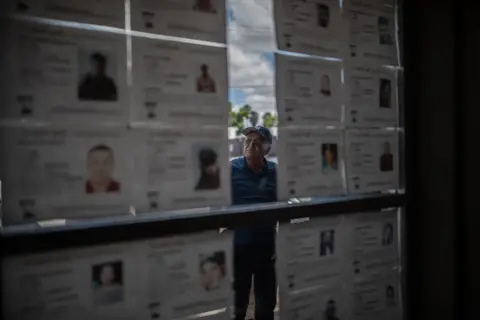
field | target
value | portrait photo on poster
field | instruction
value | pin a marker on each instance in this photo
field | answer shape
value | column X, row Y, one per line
column 330, row 310
column 206, row 168
column 323, row 15
column 148, row 19
column 390, row 296
column 97, row 76
column 385, row 93
column 384, row 35
column 205, row 82
column 213, row 271
column 325, row 88
column 386, row 157
column 107, row 283
column 100, row 163
column 327, row 242
column 387, row 234
column 205, row 6
column 26, row 105
column 329, row 158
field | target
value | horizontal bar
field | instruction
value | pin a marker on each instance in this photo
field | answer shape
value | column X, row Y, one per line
column 33, row 238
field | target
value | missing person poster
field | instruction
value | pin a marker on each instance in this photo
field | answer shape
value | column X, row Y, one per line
column 309, row 91
column 104, row 282
column 181, row 168
column 372, row 98
column 323, row 303
column 102, row 12
column 310, row 254
column 310, row 163
column 190, row 274
column 63, row 74
column 194, row 19
column 373, row 34
column 373, row 243
column 310, row 27
column 60, row 173
column 377, row 297
column 179, row 83
column 372, row 160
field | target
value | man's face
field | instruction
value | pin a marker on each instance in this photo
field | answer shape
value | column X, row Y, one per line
column 204, row 70
column 100, row 166
column 253, row 146
column 211, row 169
column 211, row 275
column 386, row 147
column 327, row 236
column 331, row 309
column 98, row 67
column 325, row 82
column 107, row 275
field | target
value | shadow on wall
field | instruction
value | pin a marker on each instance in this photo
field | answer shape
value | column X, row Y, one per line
column 236, row 147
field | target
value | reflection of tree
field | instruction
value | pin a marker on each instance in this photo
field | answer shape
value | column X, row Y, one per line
column 238, row 117
column 269, row 120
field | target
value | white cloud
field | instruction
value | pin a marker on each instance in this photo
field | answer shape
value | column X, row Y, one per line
column 250, row 35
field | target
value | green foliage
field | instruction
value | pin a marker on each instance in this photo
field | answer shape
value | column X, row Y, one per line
column 237, row 118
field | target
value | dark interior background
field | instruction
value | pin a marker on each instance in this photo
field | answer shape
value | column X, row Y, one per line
column 441, row 52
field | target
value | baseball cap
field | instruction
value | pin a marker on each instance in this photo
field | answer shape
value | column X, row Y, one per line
column 264, row 132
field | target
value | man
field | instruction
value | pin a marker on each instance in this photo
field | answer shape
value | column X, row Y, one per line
column 100, row 164
column 330, row 311
column 97, row 85
column 254, row 180
column 386, row 159
column 205, row 82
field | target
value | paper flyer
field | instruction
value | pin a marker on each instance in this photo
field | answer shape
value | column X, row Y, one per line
column 309, row 91
column 102, row 282
column 101, row 12
column 325, row 303
column 310, row 163
column 62, row 74
column 373, row 243
column 190, row 274
column 179, row 83
column 181, row 168
column 194, row 19
column 310, row 254
column 310, row 27
column 187, row 276
column 377, row 297
column 55, row 172
column 372, row 32
column 372, row 160
column 372, row 96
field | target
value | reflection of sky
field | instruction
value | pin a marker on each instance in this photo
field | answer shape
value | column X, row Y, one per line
column 251, row 46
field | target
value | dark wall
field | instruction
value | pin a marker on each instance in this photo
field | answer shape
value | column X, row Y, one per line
column 430, row 69
column 469, row 213
column 442, row 52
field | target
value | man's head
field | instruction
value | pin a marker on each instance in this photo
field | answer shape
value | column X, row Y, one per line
column 390, row 293
column 100, row 163
column 325, row 83
column 386, row 147
column 257, row 143
column 323, row 15
column 204, row 69
column 99, row 63
column 208, row 161
column 331, row 309
column 107, row 275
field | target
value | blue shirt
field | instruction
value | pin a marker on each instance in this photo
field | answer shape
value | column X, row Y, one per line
column 249, row 187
